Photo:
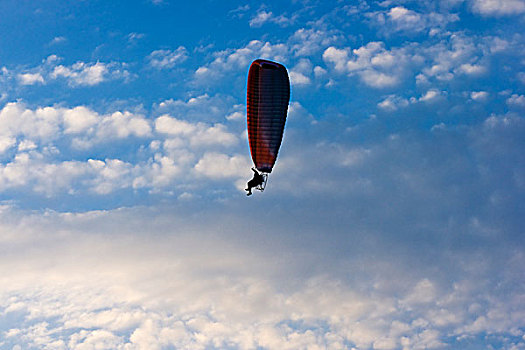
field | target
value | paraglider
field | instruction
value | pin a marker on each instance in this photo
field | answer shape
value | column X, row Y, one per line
column 268, row 95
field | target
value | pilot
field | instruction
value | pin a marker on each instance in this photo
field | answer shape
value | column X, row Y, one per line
column 257, row 180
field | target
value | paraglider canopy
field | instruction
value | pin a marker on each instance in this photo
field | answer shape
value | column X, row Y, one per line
column 268, row 95
column 267, row 99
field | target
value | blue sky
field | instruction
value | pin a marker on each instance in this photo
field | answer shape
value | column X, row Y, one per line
column 393, row 218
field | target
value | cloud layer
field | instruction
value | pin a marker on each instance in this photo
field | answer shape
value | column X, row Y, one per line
column 143, row 278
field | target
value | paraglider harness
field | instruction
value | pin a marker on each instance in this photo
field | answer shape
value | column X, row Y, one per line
column 258, row 182
column 262, row 185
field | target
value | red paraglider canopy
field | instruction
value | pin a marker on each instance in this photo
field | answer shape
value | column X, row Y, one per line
column 267, row 106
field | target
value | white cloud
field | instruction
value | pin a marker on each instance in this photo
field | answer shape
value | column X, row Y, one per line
column 134, row 37
column 30, row 78
column 336, row 56
column 6, row 142
column 309, row 41
column 166, row 59
column 48, row 178
column 57, row 150
column 111, row 174
column 376, row 66
column 217, row 166
column 298, row 79
column 401, row 19
column 79, row 120
column 240, row 11
column 499, row 45
column 431, row 95
column 458, row 54
column 172, row 126
column 198, row 134
column 377, row 79
column 423, row 292
column 479, row 95
column 236, row 116
column 26, row 145
column 498, row 7
column 200, row 108
column 123, row 125
column 401, row 14
column 41, row 124
column 472, row 69
column 229, row 60
column 264, row 16
column 393, row 102
column 77, row 75
column 301, row 72
column 58, row 39
column 516, row 101
column 261, row 17
column 48, row 124
column 305, row 42
column 89, row 74
column 162, row 171
column 319, row 71
column 82, row 74
column 29, row 170
column 43, row 134
column 35, row 142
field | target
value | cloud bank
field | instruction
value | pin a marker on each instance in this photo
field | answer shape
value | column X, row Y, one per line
column 144, row 278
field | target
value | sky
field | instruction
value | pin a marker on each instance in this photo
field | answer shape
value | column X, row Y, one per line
column 393, row 218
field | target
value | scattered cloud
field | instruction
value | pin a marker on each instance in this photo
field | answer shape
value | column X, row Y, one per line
column 393, row 102
column 264, row 16
column 30, row 78
column 58, row 40
column 298, row 79
column 217, row 165
column 457, row 54
column 309, row 41
column 198, row 134
column 134, row 37
column 431, row 95
column 81, row 73
column 240, row 11
column 167, row 59
column 204, row 108
column 260, row 18
column 301, row 72
column 35, row 142
column 498, row 8
column 479, row 95
column 401, row 19
column 516, row 101
column 239, row 113
column 376, row 66
column 229, row 60
column 89, row 74
column 471, row 69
